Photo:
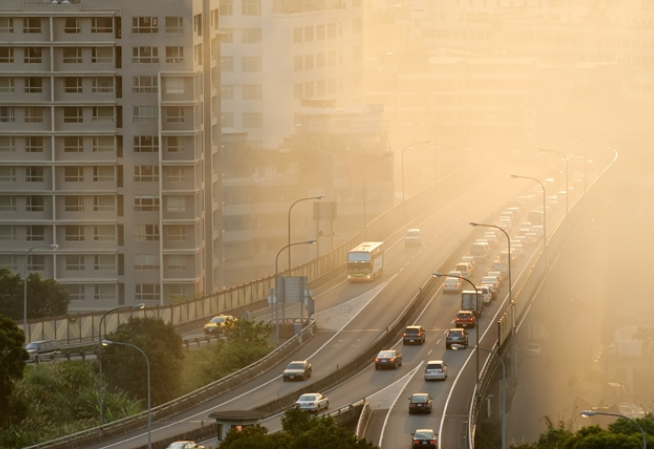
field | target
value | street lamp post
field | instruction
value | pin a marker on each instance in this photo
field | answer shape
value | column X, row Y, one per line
column 438, row 275
column 308, row 242
column 289, row 221
column 147, row 362
column 406, row 148
column 503, row 400
column 544, row 209
column 363, row 184
column 567, row 177
column 585, row 159
column 53, row 247
column 100, row 380
column 590, row 413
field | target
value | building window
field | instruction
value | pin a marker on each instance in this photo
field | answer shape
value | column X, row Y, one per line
column 176, row 204
column 308, row 34
column 252, row 120
column 320, row 60
column 174, row 54
column 103, row 114
column 33, row 85
column 298, row 63
column 331, row 31
column 101, row 25
column 227, row 92
column 74, row 263
column 8, row 262
column 320, row 32
column 35, row 233
column 145, row 55
column 8, row 233
column 7, row 174
column 75, row 292
column 7, row 85
column 104, row 233
column 146, row 262
column 174, row 144
column 251, row 7
column 74, row 203
column 102, row 85
column 145, row 114
column 35, row 203
column 104, row 262
column 251, row 64
column 73, row 114
column 104, row 144
column 175, row 174
column 35, row 174
column 175, row 114
column 32, row 55
column 71, row 25
column 227, row 36
column 175, row 85
column 176, row 233
column 144, row 84
column 174, row 25
column 251, row 35
column 104, row 292
column 146, row 144
column 34, row 115
column 145, row 204
column 104, row 203
column 7, row 144
column 31, row 25
column 197, row 54
column 176, row 262
column 308, row 62
column 226, row 7
column 104, row 173
column 74, row 174
column 297, row 35
column 102, row 55
column 73, row 144
column 7, row 114
column 36, row 262
column 146, row 173
column 72, row 55
column 227, row 64
column 34, row 144
column 145, row 25
column 252, row 92
column 227, row 120
column 6, row 54
column 145, row 292
column 7, row 204
column 146, row 233
column 74, row 233
column 6, row 25
column 197, row 24
column 73, row 85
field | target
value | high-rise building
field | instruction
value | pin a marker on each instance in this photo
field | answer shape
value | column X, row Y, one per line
column 109, row 138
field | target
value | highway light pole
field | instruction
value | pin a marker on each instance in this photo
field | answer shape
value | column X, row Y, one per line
column 53, row 247
column 100, row 380
column 308, row 242
column 567, row 177
column 147, row 362
column 439, row 275
column 590, row 413
column 289, row 221
column 544, row 210
column 585, row 159
column 406, row 148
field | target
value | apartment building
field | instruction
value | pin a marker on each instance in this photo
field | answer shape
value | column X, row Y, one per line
column 277, row 53
column 108, row 143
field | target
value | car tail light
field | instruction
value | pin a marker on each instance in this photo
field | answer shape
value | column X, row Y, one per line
column 404, row 335
column 433, row 441
column 416, row 441
column 391, row 360
column 377, row 360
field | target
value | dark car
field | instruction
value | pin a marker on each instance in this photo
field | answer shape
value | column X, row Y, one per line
column 465, row 318
column 424, row 438
column 456, row 336
column 420, row 403
column 388, row 358
column 298, row 370
column 414, row 335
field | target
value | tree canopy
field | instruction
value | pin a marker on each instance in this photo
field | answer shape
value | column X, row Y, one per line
column 45, row 297
column 12, row 364
column 125, row 367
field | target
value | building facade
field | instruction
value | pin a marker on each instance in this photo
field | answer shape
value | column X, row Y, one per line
column 108, row 146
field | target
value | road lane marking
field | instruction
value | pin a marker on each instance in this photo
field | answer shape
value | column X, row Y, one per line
column 408, row 378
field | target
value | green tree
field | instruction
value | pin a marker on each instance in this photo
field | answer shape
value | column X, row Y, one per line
column 46, row 297
column 12, row 364
column 246, row 342
column 125, row 368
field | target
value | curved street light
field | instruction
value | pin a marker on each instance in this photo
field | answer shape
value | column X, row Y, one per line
column 567, row 176
column 139, row 306
column 590, row 413
column 425, row 142
column 147, row 361
column 289, row 221
column 53, row 247
column 544, row 209
column 439, row 275
column 585, row 159
column 308, row 242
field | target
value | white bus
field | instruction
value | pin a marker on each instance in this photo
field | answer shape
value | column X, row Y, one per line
column 365, row 262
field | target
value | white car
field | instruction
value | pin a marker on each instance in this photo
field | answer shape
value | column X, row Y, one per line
column 436, row 370
column 492, row 282
column 498, row 275
column 184, row 445
column 486, row 294
column 312, row 402
column 453, row 284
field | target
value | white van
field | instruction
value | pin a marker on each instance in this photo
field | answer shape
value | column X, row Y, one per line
column 480, row 250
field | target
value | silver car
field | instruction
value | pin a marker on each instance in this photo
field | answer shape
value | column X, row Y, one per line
column 312, row 402
column 436, row 370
